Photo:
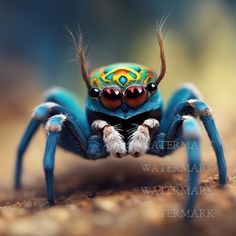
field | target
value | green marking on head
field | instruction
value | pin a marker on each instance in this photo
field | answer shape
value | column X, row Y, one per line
column 121, row 75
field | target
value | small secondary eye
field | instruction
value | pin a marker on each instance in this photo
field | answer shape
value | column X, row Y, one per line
column 94, row 92
column 151, row 87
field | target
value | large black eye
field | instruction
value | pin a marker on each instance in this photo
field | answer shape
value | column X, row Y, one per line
column 94, row 92
column 135, row 96
column 151, row 87
column 111, row 97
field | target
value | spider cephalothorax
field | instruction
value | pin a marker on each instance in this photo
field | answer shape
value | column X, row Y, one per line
column 123, row 116
column 127, row 83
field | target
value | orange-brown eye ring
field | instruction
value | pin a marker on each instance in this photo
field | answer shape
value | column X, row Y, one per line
column 135, row 96
column 111, row 97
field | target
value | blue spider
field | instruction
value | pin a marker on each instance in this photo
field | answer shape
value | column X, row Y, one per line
column 119, row 96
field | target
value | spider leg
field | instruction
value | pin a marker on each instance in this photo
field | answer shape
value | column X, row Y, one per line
column 40, row 114
column 96, row 148
column 185, row 92
column 173, row 118
column 182, row 128
column 202, row 110
column 162, row 143
column 48, row 163
column 53, row 127
column 29, row 132
column 66, row 99
column 191, row 135
column 185, row 101
column 139, row 140
column 112, row 139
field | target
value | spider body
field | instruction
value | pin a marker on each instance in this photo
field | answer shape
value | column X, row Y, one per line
column 123, row 115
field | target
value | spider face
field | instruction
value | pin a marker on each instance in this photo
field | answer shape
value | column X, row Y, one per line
column 125, row 83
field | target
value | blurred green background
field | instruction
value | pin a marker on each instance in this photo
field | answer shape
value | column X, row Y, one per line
column 35, row 48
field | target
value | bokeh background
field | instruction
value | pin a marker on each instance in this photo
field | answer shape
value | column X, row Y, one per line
column 36, row 53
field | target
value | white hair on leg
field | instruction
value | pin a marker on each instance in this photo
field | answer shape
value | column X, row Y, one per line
column 151, row 123
column 140, row 139
column 98, row 125
column 54, row 123
column 113, row 140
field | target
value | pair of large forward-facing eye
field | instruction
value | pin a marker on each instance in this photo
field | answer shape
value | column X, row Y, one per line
column 133, row 96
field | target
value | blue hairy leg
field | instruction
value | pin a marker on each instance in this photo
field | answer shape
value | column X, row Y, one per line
column 48, row 163
column 67, row 100
column 182, row 128
column 95, row 148
column 76, row 138
column 171, row 120
column 39, row 116
column 191, row 136
column 54, row 127
column 178, row 107
column 202, row 110
column 170, row 130
column 27, row 136
column 184, row 93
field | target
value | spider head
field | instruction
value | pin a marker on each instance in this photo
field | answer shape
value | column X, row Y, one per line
column 123, row 86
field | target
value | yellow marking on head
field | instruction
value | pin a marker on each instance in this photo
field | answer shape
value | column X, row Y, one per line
column 96, row 82
column 117, row 73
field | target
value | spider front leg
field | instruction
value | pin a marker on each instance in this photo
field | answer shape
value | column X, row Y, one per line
column 112, row 139
column 140, row 139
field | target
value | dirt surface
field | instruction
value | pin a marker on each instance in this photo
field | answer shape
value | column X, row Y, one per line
column 143, row 196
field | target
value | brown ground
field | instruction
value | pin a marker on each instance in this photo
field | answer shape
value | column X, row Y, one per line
column 107, row 197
